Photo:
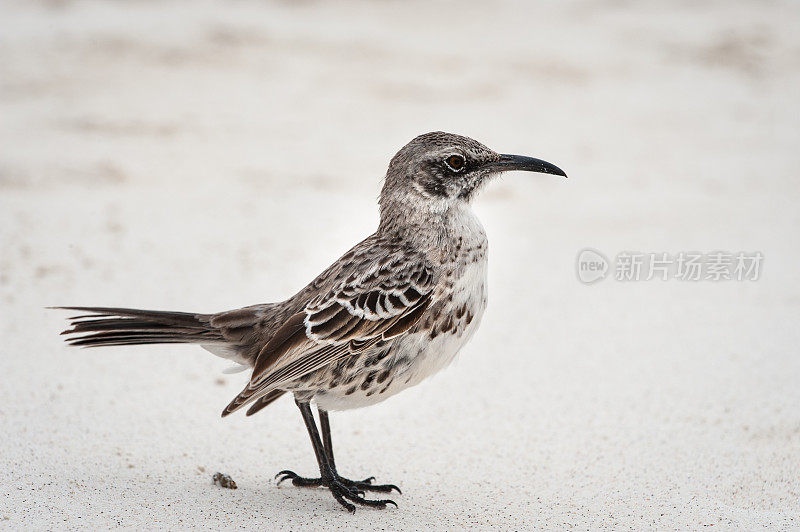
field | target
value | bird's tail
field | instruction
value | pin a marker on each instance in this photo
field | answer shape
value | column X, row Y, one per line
column 106, row 326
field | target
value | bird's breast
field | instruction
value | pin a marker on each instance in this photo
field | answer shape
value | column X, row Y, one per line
column 457, row 306
column 451, row 320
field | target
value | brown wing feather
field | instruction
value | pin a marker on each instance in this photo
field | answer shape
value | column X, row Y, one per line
column 264, row 401
column 358, row 313
column 291, row 335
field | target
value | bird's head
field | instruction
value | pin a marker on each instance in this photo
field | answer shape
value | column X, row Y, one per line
column 436, row 171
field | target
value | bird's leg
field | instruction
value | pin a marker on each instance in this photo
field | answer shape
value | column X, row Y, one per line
column 362, row 485
column 340, row 489
column 325, row 427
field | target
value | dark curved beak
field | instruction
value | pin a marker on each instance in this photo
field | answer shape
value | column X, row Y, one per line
column 507, row 163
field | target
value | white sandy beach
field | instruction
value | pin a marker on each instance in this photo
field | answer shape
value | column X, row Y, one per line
column 202, row 156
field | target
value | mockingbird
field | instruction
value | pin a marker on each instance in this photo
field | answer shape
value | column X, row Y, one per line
column 390, row 312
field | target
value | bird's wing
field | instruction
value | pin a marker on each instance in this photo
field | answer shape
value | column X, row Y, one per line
column 373, row 303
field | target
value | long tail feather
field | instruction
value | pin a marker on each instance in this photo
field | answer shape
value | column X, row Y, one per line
column 108, row 326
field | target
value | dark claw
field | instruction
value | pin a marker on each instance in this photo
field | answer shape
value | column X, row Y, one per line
column 284, row 475
column 287, row 473
column 369, row 486
column 384, row 488
column 343, row 489
column 347, row 506
column 297, row 480
column 358, row 492
column 367, row 502
column 351, row 490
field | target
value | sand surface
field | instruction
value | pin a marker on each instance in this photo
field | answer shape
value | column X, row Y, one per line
column 202, row 156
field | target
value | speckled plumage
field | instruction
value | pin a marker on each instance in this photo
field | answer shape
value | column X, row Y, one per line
column 457, row 303
column 390, row 312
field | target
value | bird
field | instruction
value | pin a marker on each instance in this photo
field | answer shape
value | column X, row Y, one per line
column 394, row 309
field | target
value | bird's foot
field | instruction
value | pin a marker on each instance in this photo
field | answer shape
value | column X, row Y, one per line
column 343, row 489
column 367, row 485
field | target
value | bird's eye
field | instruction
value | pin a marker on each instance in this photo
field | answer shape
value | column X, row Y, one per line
column 455, row 163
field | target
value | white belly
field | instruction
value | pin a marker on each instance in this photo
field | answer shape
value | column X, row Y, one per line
column 434, row 354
